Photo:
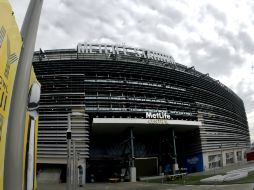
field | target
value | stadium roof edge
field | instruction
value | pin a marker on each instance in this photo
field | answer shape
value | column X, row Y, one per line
column 176, row 66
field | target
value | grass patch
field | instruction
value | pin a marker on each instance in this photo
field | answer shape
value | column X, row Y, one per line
column 195, row 180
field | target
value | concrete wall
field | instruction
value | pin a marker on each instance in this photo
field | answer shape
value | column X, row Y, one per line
column 207, row 154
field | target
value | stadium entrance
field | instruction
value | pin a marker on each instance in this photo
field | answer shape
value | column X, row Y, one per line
column 123, row 147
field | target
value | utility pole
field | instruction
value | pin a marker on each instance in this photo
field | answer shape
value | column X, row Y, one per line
column 13, row 169
column 72, row 163
column 68, row 137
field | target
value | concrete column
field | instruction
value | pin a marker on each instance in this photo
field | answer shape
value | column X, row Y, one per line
column 81, row 179
column 234, row 156
column 132, row 148
column 234, row 152
column 84, row 173
column 222, row 162
column 132, row 168
column 133, row 174
column 175, row 165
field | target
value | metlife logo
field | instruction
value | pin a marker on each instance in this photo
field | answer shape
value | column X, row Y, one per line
column 159, row 115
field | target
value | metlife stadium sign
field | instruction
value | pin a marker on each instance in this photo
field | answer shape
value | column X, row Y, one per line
column 159, row 115
column 86, row 48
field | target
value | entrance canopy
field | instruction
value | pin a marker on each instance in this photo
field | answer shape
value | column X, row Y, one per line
column 119, row 125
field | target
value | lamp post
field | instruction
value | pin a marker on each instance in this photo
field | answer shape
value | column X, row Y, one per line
column 74, row 166
column 14, row 160
column 70, row 174
column 68, row 137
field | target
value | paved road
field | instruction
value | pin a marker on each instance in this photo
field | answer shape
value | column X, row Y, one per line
column 147, row 186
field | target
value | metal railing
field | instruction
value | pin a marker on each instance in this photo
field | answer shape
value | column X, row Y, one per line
column 72, row 54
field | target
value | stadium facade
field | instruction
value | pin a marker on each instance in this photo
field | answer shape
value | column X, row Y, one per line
column 144, row 110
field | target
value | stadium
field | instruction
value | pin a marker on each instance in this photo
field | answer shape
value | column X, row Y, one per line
column 144, row 113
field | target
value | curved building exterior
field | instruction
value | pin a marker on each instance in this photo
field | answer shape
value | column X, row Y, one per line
column 177, row 115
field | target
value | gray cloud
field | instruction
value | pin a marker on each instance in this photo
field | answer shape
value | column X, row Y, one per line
column 171, row 15
column 132, row 22
column 220, row 16
column 217, row 59
column 246, row 42
column 241, row 40
column 149, row 24
column 244, row 90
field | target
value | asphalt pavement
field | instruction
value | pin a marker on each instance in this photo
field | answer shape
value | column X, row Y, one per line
column 147, row 186
column 158, row 186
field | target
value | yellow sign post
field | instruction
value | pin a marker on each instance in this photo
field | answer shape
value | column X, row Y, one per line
column 10, row 46
column 22, row 133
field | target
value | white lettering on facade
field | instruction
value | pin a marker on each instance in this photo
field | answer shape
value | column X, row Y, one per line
column 121, row 49
column 159, row 115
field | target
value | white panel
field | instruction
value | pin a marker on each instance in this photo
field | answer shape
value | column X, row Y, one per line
column 30, row 170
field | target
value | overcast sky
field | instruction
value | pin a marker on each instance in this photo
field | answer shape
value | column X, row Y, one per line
column 214, row 36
